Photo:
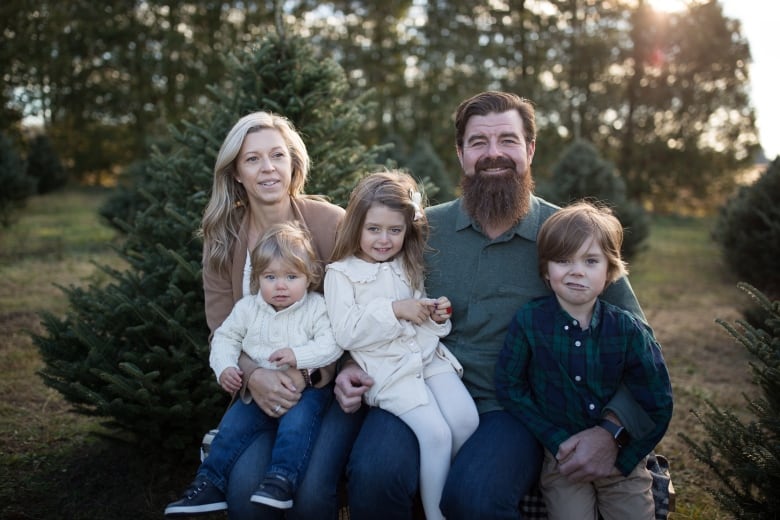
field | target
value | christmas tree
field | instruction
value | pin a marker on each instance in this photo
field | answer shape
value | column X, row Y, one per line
column 745, row 456
column 582, row 173
column 748, row 231
column 135, row 350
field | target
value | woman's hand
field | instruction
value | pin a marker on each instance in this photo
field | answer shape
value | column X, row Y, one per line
column 351, row 383
column 275, row 391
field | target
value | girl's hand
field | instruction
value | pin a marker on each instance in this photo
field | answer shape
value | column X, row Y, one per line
column 416, row 311
column 283, row 356
column 230, row 379
column 441, row 309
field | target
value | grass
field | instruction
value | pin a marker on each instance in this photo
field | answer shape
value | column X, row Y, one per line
column 54, row 464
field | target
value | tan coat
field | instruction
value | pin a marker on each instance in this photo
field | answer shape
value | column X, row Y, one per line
column 223, row 290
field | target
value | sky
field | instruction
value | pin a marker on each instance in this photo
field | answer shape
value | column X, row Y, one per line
column 760, row 26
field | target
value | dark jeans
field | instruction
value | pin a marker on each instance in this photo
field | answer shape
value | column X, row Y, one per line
column 317, row 495
column 295, row 432
column 489, row 476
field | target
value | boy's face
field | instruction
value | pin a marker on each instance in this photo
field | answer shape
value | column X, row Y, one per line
column 281, row 284
column 579, row 280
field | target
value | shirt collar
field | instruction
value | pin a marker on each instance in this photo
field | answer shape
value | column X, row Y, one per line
column 595, row 320
column 527, row 228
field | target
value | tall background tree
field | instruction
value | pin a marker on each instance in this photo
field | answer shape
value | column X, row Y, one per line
column 661, row 95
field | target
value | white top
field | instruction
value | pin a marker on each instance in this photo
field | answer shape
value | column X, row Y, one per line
column 396, row 353
column 258, row 329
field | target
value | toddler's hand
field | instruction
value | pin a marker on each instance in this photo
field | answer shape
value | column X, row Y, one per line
column 283, row 356
column 230, row 379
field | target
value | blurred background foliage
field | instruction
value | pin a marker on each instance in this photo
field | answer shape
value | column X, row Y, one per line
column 661, row 96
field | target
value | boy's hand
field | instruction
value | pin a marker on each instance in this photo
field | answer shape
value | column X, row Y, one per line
column 230, row 379
column 283, row 356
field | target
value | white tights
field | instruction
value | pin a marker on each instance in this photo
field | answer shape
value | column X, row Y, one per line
column 441, row 427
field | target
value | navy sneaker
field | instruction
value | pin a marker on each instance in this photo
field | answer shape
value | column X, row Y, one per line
column 201, row 497
column 275, row 491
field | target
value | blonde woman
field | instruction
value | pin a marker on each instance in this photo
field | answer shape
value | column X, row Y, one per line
column 259, row 177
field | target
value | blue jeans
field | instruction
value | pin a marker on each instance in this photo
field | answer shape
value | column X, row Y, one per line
column 295, row 431
column 489, row 476
column 317, row 496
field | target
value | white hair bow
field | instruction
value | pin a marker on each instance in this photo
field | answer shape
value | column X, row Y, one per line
column 417, row 203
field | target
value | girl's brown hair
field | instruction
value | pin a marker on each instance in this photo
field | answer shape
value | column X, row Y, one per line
column 567, row 229
column 397, row 190
column 289, row 243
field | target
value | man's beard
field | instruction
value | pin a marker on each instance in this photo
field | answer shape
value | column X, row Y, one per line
column 497, row 200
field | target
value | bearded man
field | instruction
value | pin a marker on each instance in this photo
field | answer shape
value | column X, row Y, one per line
column 483, row 258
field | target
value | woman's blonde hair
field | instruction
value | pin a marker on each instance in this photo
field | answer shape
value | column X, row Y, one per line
column 228, row 203
column 289, row 243
column 398, row 191
column 561, row 236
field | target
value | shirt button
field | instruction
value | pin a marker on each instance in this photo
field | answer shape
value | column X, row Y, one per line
column 419, row 376
column 591, row 406
column 578, row 343
column 577, row 378
column 574, row 322
column 565, row 327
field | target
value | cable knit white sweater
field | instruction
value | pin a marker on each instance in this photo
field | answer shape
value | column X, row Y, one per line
column 258, row 329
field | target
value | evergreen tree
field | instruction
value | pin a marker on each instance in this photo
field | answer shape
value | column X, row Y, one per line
column 424, row 162
column 44, row 165
column 582, row 173
column 748, row 231
column 745, row 457
column 135, row 351
column 16, row 186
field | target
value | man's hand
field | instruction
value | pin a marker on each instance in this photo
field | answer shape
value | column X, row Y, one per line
column 351, row 383
column 275, row 391
column 588, row 455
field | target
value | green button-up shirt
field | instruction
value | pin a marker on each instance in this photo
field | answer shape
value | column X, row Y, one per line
column 487, row 281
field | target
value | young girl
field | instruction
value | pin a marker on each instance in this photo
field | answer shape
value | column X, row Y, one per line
column 281, row 324
column 374, row 292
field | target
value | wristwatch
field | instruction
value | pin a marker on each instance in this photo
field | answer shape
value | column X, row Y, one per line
column 620, row 434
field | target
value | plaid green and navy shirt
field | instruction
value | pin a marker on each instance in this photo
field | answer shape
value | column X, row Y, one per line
column 556, row 377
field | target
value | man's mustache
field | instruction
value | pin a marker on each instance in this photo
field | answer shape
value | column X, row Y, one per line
column 495, row 162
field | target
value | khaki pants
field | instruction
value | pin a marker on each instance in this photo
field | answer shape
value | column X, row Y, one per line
column 615, row 497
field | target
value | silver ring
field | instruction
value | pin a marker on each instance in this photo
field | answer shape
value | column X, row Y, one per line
column 278, row 407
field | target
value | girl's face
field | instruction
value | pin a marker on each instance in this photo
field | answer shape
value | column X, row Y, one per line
column 264, row 166
column 382, row 235
column 281, row 284
column 579, row 280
